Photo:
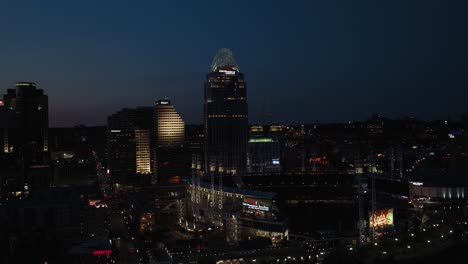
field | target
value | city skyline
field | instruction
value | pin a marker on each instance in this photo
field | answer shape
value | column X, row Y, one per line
column 341, row 61
column 228, row 132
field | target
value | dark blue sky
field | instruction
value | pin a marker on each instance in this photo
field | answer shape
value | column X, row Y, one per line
column 304, row 61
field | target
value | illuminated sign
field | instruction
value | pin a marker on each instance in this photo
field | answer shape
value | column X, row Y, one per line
column 25, row 84
column 276, row 161
column 227, row 71
column 250, row 201
column 2, row 103
column 256, row 207
column 115, row 131
column 381, row 218
column 164, row 102
column 102, row 252
column 252, row 204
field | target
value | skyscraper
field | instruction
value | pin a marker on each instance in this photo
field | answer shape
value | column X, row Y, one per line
column 129, row 146
column 171, row 159
column 24, row 119
column 170, row 130
column 225, row 115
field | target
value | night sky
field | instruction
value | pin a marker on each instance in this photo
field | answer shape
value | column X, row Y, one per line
column 304, row 61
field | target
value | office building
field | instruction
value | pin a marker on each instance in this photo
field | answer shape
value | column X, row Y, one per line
column 24, row 125
column 263, row 156
column 226, row 115
column 170, row 126
column 128, row 146
column 275, row 132
column 171, row 158
column 256, row 131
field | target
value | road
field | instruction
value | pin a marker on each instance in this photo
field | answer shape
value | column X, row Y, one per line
column 123, row 245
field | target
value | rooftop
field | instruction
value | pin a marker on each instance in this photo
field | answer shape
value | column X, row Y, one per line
column 224, row 59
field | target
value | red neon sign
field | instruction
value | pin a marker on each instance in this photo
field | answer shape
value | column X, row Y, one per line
column 102, row 252
column 250, row 201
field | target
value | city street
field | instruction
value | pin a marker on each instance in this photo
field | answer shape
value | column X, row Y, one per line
column 122, row 245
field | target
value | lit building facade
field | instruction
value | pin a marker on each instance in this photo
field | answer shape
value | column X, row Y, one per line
column 171, row 158
column 263, row 156
column 263, row 152
column 24, row 126
column 275, row 132
column 129, row 146
column 226, row 115
column 256, row 131
column 241, row 214
column 142, row 151
column 170, row 130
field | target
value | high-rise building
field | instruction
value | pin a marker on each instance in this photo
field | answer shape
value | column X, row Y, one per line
column 24, row 125
column 170, row 130
column 143, row 151
column 226, row 115
column 171, row 158
column 256, row 131
column 263, row 156
column 129, row 146
column 275, row 132
column 263, row 153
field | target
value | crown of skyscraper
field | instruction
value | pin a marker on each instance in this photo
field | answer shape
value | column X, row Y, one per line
column 224, row 59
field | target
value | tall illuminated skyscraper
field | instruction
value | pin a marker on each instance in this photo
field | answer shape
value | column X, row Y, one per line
column 169, row 153
column 170, row 131
column 226, row 115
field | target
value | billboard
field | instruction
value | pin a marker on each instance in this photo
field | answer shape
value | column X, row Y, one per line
column 254, row 205
column 381, row 218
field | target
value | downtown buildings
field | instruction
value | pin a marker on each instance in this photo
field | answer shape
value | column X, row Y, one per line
column 145, row 145
column 129, row 146
column 218, row 199
column 24, row 129
column 148, row 144
column 35, row 214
